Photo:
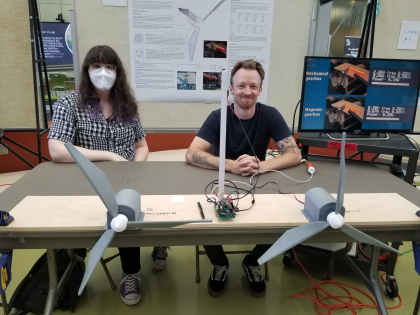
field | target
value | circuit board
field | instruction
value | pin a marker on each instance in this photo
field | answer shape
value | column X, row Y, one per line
column 224, row 211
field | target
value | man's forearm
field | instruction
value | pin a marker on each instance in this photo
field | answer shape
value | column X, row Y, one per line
column 290, row 156
column 283, row 161
column 202, row 159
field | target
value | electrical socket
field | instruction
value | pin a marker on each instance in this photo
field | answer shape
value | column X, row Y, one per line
column 3, row 150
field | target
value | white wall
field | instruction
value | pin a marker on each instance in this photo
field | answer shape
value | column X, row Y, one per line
column 387, row 32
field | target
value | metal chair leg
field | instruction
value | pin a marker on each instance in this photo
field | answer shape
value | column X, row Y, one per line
column 266, row 276
column 417, row 306
column 197, row 265
column 111, row 282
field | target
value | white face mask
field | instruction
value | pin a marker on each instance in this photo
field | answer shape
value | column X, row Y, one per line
column 102, row 78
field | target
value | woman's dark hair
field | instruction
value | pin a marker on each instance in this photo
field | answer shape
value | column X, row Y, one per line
column 125, row 104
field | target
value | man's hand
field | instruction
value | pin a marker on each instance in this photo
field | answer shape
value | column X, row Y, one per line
column 244, row 165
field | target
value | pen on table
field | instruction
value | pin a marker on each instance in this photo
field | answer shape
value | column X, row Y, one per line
column 201, row 211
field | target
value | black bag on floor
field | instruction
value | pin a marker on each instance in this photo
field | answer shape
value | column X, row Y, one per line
column 31, row 294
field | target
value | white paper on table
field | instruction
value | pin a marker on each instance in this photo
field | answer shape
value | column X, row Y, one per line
column 409, row 35
column 115, row 3
column 176, row 199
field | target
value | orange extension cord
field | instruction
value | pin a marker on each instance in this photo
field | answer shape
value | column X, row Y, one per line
column 320, row 304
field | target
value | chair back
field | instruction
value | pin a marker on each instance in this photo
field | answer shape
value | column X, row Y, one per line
column 59, row 84
column 58, row 81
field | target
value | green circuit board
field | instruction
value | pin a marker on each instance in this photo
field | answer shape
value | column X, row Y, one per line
column 224, row 212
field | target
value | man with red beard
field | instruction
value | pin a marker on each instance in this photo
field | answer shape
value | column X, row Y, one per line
column 260, row 123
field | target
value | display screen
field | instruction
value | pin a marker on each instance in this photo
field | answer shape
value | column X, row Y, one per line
column 354, row 94
column 57, row 43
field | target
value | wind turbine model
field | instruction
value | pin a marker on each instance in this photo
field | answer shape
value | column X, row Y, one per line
column 196, row 23
column 122, row 211
column 319, row 210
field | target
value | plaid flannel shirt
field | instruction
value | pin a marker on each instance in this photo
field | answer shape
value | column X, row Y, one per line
column 72, row 124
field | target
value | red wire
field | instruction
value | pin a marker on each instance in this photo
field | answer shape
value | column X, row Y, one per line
column 290, row 193
column 6, row 184
column 328, row 308
column 232, row 108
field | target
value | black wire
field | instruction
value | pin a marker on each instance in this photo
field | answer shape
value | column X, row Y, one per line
column 252, row 148
column 294, row 116
column 215, row 202
column 417, row 145
column 274, row 153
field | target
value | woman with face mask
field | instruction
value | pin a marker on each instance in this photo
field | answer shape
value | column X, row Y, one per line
column 102, row 122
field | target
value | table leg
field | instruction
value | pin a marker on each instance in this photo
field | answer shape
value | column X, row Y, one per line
column 392, row 259
column 417, row 305
column 411, row 167
column 52, row 273
column 370, row 283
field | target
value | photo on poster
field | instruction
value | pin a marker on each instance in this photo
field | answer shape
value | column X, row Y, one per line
column 215, row 49
column 186, row 80
column 212, row 80
column 348, row 77
column 344, row 112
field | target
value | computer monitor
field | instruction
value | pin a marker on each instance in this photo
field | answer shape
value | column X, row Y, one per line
column 359, row 95
column 57, row 43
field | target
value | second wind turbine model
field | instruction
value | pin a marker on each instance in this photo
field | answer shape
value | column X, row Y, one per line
column 323, row 211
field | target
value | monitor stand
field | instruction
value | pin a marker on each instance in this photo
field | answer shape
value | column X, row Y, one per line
column 363, row 136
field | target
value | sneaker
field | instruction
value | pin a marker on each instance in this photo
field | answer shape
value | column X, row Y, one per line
column 129, row 289
column 255, row 278
column 217, row 280
column 159, row 255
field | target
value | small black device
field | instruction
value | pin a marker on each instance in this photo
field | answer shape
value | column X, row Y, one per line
column 396, row 169
column 418, row 213
column 201, row 210
column 5, row 218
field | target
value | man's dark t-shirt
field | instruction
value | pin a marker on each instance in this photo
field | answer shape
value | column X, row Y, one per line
column 266, row 123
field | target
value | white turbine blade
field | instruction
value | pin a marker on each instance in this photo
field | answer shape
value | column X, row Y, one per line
column 342, row 176
column 192, row 43
column 189, row 14
column 218, row 5
column 138, row 225
column 95, row 256
column 96, row 178
column 364, row 238
column 291, row 238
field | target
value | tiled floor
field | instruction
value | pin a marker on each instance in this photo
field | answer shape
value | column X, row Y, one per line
column 174, row 290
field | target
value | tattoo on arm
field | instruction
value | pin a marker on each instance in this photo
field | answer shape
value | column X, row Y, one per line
column 287, row 140
column 288, row 145
column 203, row 158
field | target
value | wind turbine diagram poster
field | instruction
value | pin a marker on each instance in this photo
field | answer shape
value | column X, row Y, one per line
column 179, row 47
